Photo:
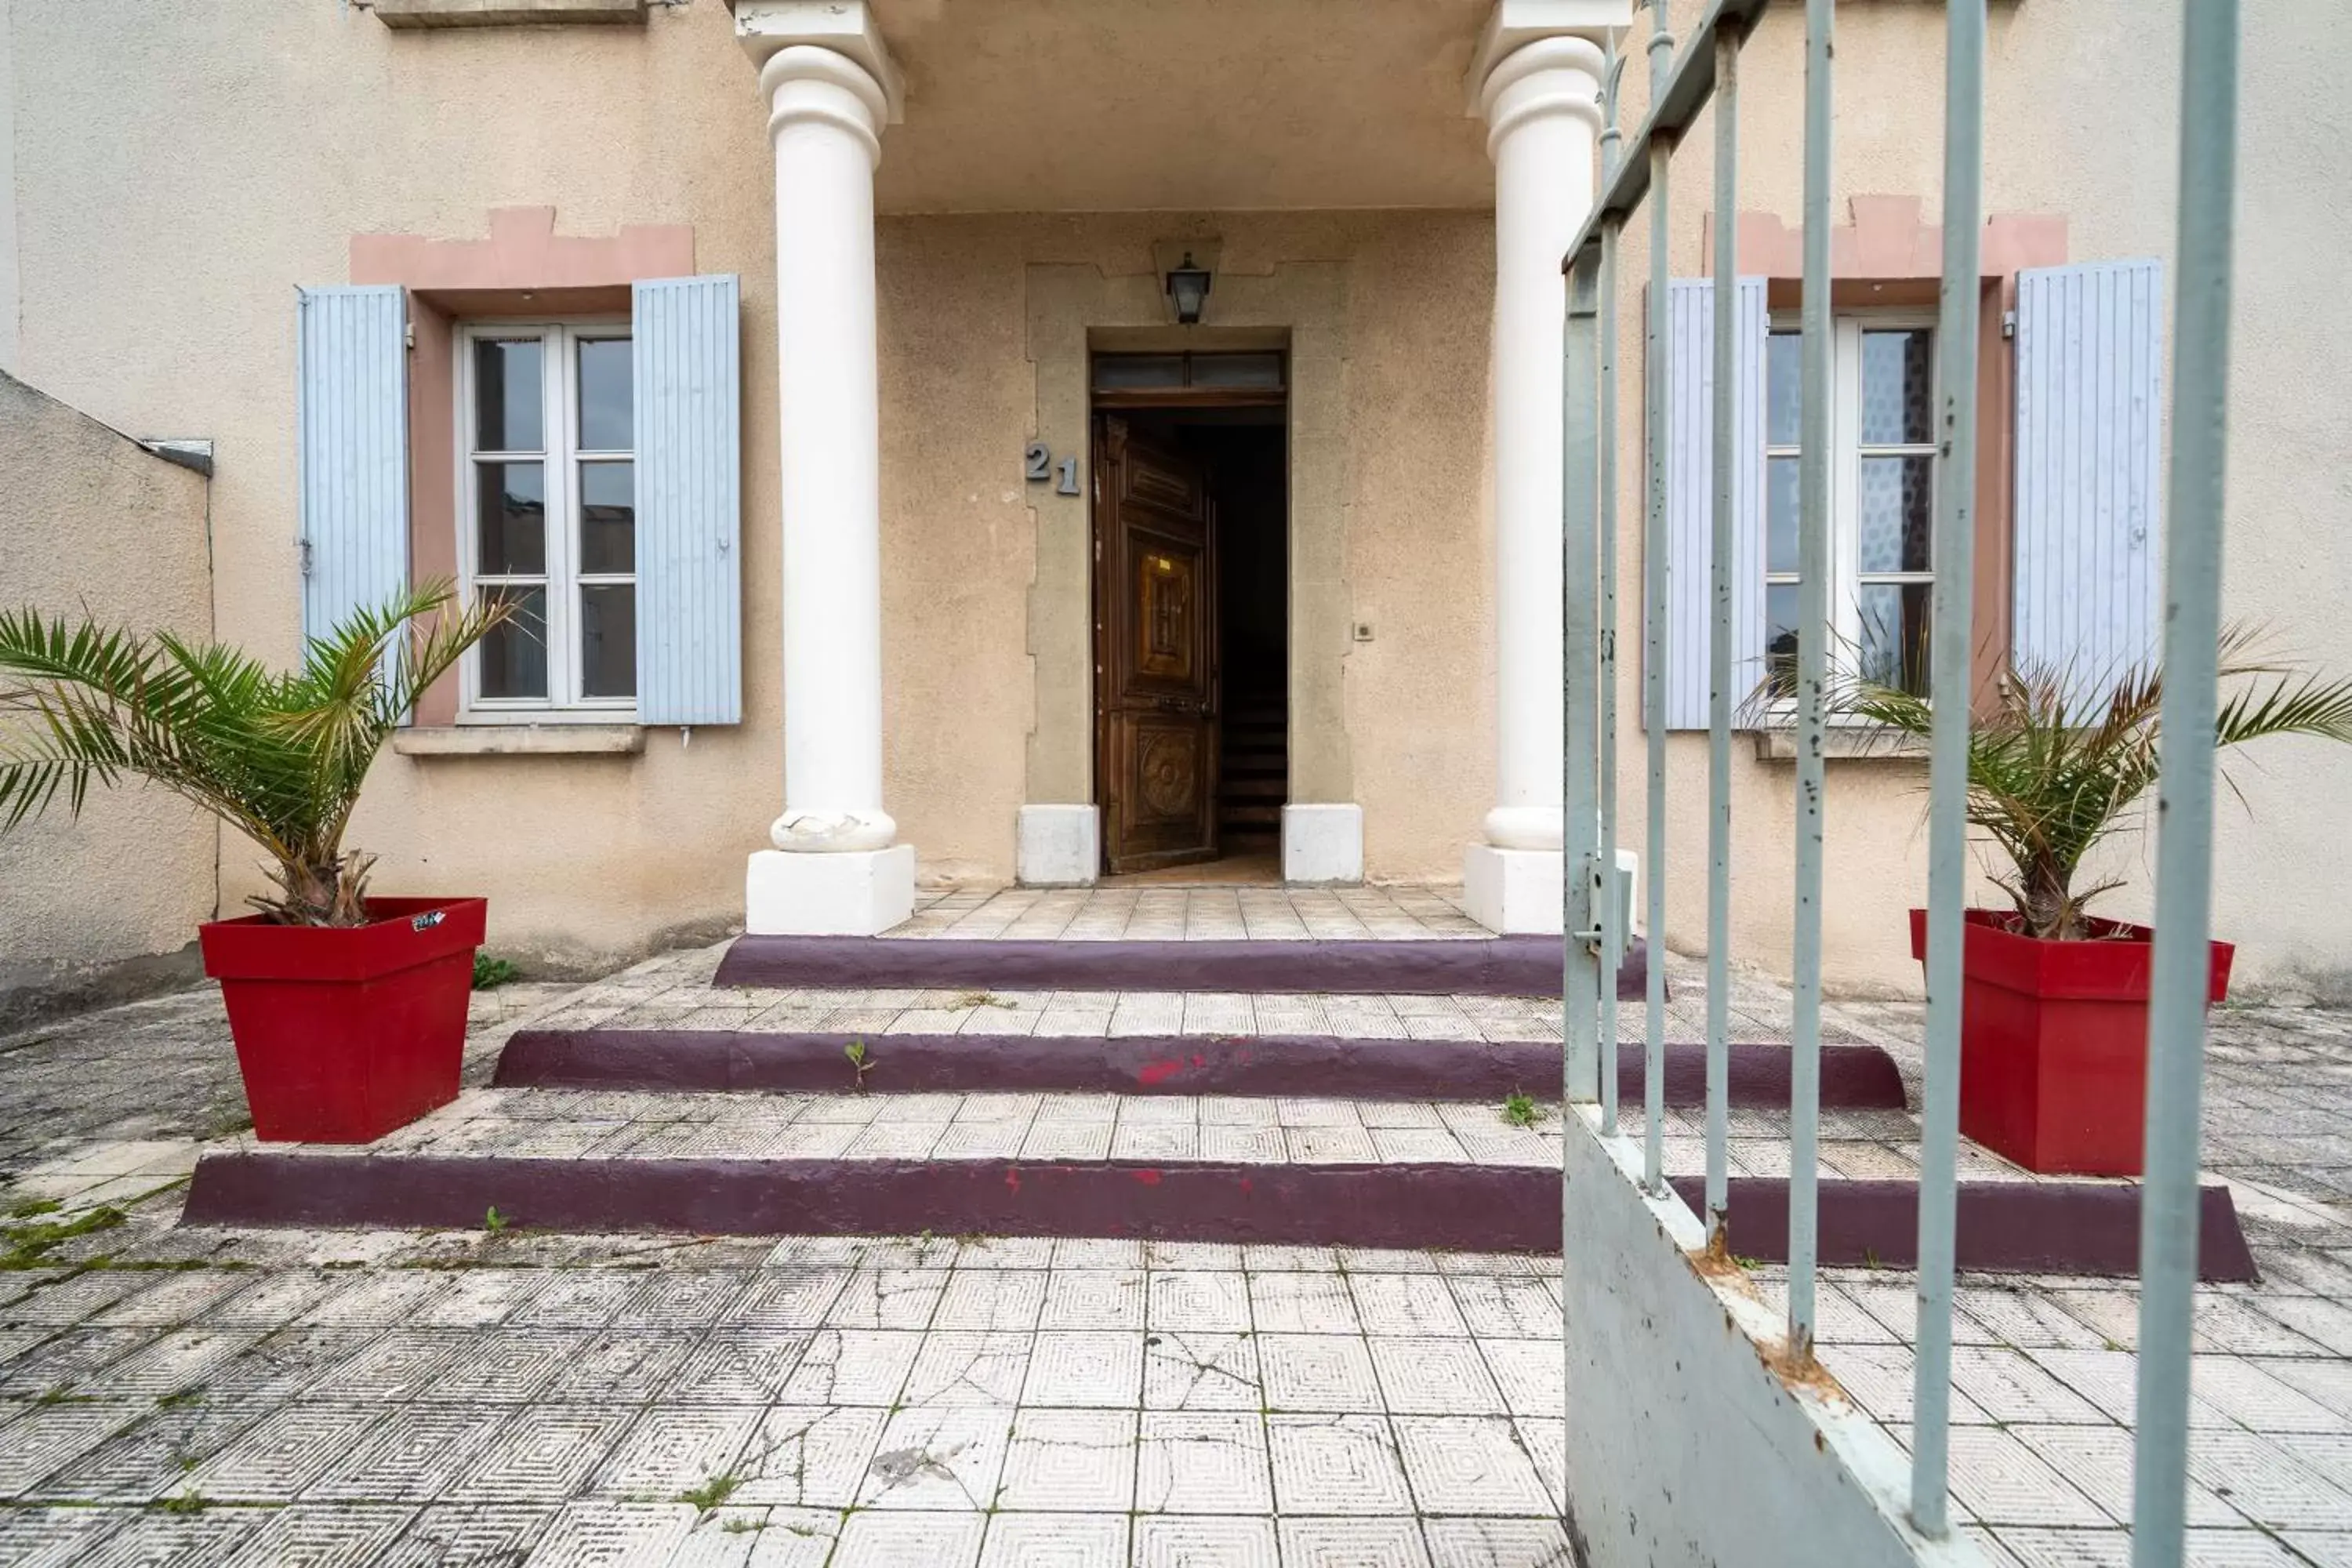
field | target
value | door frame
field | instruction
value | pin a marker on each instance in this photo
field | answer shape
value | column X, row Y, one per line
column 1100, row 406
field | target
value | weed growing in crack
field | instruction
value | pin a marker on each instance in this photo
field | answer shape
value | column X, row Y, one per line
column 28, row 1245
column 1520, row 1111
column 980, row 999
column 184, row 1502
column 712, row 1492
column 495, row 1222
column 856, row 1053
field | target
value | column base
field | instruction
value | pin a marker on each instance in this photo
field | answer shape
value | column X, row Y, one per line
column 1513, row 891
column 1057, row 847
column 860, row 892
column 1322, row 845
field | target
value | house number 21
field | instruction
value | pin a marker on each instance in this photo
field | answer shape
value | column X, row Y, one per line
column 1038, row 466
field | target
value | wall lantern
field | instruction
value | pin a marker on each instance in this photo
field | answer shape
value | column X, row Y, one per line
column 1188, row 285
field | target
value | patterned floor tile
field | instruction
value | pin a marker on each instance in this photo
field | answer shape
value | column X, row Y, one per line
column 2003, row 1481
column 1404, row 1303
column 1336, row 1464
column 901, row 1540
column 1189, row 1371
column 402, row 1364
column 1497, row 1544
column 612, row 1535
column 787, row 1299
column 172, row 1299
column 738, row 1366
column 1076, row 1367
column 1352, row 1543
column 887, row 1299
column 1469, row 1465
column 1530, row 1373
column 277, row 1459
column 180, row 1359
column 1317, row 1371
column 1179, row 1542
column 673, row 1447
column 1093, row 1299
column 289, row 1362
column 1202, row 1462
column 808, row 1457
column 938, row 1457
column 1302, row 1303
column 970, row 1367
column 991, row 1298
column 49, row 1438
column 1075, row 1461
column 153, row 1454
column 1434, row 1376
column 865, row 1366
column 413, row 1455
column 1054, row 1540
column 307, row 1537
column 480, row 1298
column 577, row 1298
column 545, row 1454
column 59, row 1537
column 174, row 1541
column 1200, row 1300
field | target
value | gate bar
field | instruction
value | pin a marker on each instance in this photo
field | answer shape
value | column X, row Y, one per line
column 2184, row 811
column 1950, row 683
column 1612, row 910
column 1719, row 648
column 1655, row 567
column 1812, row 673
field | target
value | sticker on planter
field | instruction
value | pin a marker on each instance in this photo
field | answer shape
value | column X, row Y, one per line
column 428, row 920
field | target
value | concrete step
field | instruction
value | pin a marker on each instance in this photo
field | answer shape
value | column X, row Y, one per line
column 725, row 1059
column 1459, row 966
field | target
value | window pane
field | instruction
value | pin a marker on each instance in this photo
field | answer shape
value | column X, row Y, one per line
column 1895, row 635
column 604, row 396
column 608, row 640
column 1784, row 386
column 514, row 654
column 1898, row 513
column 507, row 386
column 1114, row 372
column 511, row 512
column 1896, row 389
column 1780, row 638
column 608, row 518
column 1237, row 370
column 1780, row 515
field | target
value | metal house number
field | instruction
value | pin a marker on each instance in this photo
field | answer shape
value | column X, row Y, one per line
column 1037, row 465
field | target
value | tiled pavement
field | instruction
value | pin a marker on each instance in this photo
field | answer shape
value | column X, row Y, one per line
column 480, row 1396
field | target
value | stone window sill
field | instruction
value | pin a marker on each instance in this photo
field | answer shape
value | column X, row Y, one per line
column 407, row 13
column 1854, row 742
column 520, row 741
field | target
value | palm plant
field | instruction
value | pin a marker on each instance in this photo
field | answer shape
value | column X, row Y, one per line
column 278, row 756
column 2053, row 771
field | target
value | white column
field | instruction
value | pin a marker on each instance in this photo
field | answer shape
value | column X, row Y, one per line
column 834, row 868
column 1541, row 99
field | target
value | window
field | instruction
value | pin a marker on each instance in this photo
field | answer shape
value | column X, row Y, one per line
column 547, row 515
column 1882, row 500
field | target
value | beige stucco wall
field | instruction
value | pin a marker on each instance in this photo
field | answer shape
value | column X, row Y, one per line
column 90, row 518
column 181, row 166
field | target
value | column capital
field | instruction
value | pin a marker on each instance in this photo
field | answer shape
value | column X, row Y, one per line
column 1512, row 24
column 767, row 29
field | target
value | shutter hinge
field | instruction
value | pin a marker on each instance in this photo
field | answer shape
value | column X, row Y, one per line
column 408, row 336
column 2008, row 323
column 305, row 545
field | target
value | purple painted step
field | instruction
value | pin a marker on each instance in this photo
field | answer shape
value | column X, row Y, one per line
column 1468, row 966
column 2053, row 1228
column 2023, row 1227
column 1853, row 1076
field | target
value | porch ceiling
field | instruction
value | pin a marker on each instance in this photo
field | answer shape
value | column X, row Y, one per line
column 1105, row 105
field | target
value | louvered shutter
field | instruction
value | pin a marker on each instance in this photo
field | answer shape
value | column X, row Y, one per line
column 689, row 501
column 352, row 449
column 1690, row 505
column 2087, row 563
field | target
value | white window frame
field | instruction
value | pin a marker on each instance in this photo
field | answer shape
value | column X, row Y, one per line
column 1847, row 451
column 559, row 404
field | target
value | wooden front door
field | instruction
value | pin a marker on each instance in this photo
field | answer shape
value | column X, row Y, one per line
column 1155, row 651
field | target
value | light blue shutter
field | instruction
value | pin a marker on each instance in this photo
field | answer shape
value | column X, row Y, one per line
column 689, row 502
column 1690, row 501
column 2090, row 371
column 352, row 449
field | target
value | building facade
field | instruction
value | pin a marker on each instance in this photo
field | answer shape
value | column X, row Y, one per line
column 936, row 442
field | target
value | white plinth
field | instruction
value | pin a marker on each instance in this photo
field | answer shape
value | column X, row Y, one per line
column 856, row 893
column 1513, row 890
column 1058, row 845
column 1322, row 845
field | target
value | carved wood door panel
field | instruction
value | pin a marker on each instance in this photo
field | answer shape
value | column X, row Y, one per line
column 1155, row 651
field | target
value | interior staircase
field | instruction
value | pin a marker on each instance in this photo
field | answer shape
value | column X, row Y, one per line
column 1254, row 778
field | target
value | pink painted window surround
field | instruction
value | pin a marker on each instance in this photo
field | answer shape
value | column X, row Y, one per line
column 523, row 269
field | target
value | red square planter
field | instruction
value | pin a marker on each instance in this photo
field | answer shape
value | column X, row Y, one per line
column 344, row 1035
column 2053, row 1041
